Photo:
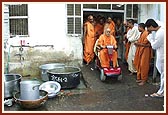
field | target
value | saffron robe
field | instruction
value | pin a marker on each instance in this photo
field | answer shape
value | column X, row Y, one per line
column 143, row 57
column 89, row 41
column 103, row 54
column 127, row 45
column 98, row 30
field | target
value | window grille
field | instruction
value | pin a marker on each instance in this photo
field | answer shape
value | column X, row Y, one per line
column 132, row 12
column 129, row 10
column 104, row 6
column 90, row 6
column 74, row 18
column 18, row 19
column 118, row 6
column 135, row 11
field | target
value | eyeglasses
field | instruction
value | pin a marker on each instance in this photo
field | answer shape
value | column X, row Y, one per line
column 108, row 31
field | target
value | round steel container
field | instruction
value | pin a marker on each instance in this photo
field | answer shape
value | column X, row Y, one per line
column 67, row 76
column 29, row 90
column 11, row 84
column 44, row 68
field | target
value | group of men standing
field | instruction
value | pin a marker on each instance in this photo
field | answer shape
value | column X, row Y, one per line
column 100, row 33
column 139, row 51
column 139, row 43
column 139, row 47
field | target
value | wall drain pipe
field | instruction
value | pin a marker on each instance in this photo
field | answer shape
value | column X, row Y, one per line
column 8, row 60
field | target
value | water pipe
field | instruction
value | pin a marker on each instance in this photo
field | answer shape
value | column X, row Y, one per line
column 8, row 60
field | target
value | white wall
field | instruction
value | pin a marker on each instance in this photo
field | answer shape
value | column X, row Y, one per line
column 47, row 24
column 155, row 11
column 143, row 13
column 163, row 12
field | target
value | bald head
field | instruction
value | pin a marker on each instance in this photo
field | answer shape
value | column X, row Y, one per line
column 109, row 19
column 124, row 22
column 90, row 18
column 107, row 32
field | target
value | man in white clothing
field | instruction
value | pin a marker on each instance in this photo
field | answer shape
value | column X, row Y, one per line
column 132, row 36
column 157, row 43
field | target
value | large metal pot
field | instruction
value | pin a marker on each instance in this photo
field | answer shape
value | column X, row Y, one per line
column 11, row 84
column 29, row 90
column 31, row 104
column 44, row 68
column 67, row 76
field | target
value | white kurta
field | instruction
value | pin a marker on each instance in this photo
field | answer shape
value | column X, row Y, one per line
column 157, row 43
column 132, row 36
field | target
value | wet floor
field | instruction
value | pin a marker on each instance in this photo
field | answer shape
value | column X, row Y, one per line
column 109, row 96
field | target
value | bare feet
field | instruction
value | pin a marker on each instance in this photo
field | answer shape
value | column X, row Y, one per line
column 156, row 95
column 131, row 73
column 138, row 81
column 142, row 83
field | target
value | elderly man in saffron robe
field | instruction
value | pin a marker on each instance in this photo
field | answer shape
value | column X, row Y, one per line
column 142, row 56
column 89, row 40
column 103, row 41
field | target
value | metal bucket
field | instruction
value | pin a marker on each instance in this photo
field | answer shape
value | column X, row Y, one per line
column 29, row 90
column 44, row 68
column 67, row 76
column 11, row 84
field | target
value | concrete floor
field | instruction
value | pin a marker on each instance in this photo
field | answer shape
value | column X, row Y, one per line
column 93, row 95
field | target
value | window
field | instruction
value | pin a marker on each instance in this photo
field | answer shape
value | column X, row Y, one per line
column 74, row 18
column 104, row 6
column 135, row 11
column 90, row 6
column 118, row 6
column 132, row 11
column 129, row 10
column 18, row 19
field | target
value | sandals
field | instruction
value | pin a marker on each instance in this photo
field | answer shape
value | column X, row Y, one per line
column 156, row 95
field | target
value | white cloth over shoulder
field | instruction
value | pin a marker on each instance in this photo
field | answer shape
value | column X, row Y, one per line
column 133, row 34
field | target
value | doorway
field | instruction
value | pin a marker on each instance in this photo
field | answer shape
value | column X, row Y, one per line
column 114, row 16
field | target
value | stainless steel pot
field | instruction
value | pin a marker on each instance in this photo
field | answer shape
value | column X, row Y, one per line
column 44, row 68
column 11, row 84
column 29, row 90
